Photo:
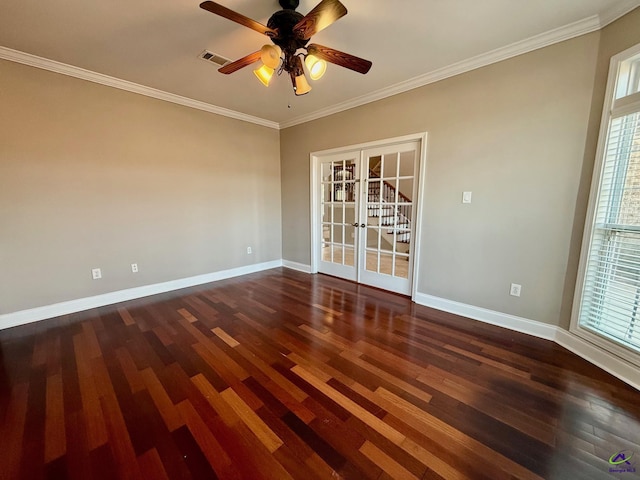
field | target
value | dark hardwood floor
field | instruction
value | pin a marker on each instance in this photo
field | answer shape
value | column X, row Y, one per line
column 286, row 375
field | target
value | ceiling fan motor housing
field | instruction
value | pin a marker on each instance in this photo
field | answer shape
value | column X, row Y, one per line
column 283, row 21
column 289, row 4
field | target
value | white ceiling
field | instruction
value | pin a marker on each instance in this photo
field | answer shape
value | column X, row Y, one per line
column 410, row 42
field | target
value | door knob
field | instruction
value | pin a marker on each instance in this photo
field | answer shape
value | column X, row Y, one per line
column 363, row 225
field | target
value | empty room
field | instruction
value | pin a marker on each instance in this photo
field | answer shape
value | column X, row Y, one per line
column 318, row 239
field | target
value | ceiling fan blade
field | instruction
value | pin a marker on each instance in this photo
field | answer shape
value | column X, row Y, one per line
column 337, row 57
column 323, row 15
column 237, row 17
column 241, row 63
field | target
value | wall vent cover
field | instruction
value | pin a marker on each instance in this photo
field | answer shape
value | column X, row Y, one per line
column 211, row 57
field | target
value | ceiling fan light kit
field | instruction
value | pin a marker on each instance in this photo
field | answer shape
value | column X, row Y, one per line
column 316, row 66
column 264, row 74
column 290, row 32
column 270, row 55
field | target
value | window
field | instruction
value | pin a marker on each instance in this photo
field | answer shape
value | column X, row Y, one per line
column 608, row 293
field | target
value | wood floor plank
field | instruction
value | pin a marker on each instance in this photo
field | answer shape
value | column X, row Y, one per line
column 280, row 374
column 12, row 432
column 94, row 418
column 77, row 457
column 120, row 441
column 55, row 441
column 163, row 403
column 211, row 448
column 126, row 316
column 187, row 315
column 151, row 466
column 134, row 378
column 385, row 462
column 225, row 337
column 252, row 420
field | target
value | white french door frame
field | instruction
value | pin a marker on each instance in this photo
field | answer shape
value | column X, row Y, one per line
column 315, row 158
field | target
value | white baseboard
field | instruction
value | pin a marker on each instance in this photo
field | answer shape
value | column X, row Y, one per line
column 22, row 317
column 512, row 322
column 625, row 371
column 301, row 267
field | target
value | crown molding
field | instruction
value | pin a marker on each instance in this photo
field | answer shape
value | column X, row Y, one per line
column 551, row 37
column 81, row 73
column 616, row 11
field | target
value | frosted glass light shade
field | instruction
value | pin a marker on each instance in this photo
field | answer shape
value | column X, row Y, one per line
column 264, row 74
column 316, row 66
column 302, row 86
column 270, row 55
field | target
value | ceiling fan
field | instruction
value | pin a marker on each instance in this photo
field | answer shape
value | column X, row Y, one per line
column 290, row 32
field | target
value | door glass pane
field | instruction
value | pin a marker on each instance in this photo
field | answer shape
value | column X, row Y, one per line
column 373, row 192
column 405, row 192
column 387, row 215
column 326, row 213
column 337, row 234
column 349, row 257
column 386, row 263
column 390, row 166
column 350, row 191
column 326, row 252
column 373, row 237
column 386, row 240
column 326, row 192
column 326, row 233
column 372, row 260
column 375, row 164
column 350, row 235
column 402, row 240
column 407, row 164
column 350, row 214
column 338, row 213
column 327, row 174
column 401, row 266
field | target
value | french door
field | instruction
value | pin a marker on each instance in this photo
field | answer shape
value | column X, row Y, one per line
column 367, row 219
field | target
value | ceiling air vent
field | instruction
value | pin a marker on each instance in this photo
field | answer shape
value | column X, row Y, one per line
column 211, row 57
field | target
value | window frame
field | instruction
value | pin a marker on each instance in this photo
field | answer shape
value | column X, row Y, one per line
column 613, row 108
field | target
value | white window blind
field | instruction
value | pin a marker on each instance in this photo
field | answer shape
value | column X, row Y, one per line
column 610, row 301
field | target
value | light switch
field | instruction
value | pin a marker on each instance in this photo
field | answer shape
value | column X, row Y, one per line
column 466, row 197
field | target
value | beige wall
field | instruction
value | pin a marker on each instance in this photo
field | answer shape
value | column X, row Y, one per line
column 92, row 176
column 514, row 133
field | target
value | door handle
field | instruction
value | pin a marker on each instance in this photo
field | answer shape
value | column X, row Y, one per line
column 362, row 225
column 354, row 224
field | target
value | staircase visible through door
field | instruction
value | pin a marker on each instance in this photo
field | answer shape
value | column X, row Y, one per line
column 367, row 215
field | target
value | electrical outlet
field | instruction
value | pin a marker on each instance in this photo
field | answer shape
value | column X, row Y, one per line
column 515, row 290
column 134, row 267
column 96, row 273
column 249, row 251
